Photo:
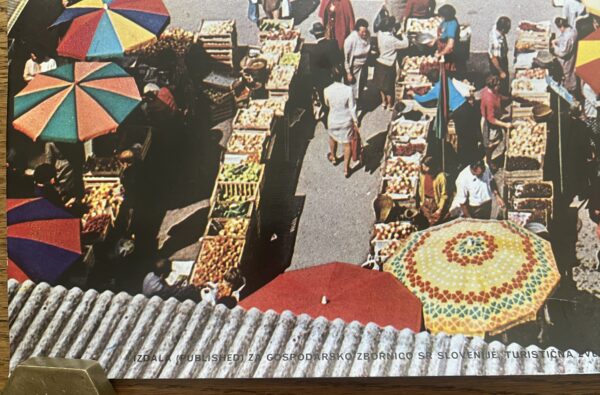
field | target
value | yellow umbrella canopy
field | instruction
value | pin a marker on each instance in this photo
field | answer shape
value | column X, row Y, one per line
column 592, row 6
column 588, row 60
column 475, row 277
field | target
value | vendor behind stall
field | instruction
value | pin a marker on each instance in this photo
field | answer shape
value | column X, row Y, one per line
column 448, row 37
column 494, row 141
column 475, row 189
column 498, row 52
column 159, row 104
column 433, row 192
column 155, row 284
column 564, row 48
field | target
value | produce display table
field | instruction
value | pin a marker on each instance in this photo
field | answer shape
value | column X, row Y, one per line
column 103, row 196
column 235, row 204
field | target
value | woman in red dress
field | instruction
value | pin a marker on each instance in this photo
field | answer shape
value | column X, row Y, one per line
column 338, row 19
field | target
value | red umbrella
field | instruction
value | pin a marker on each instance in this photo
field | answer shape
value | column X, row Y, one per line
column 341, row 290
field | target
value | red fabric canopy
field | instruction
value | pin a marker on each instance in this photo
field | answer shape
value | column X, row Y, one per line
column 353, row 294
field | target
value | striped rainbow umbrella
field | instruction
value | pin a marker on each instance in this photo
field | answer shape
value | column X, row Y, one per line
column 108, row 28
column 588, row 60
column 75, row 102
column 43, row 240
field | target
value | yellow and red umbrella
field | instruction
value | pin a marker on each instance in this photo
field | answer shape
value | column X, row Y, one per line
column 587, row 63
column 75, row 102
column 592, row 6
column 475, row 277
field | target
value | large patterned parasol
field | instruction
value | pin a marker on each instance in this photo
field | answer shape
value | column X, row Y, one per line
column 476, row 277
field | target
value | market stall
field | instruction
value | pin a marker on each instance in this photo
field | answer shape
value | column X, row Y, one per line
column 235, row 213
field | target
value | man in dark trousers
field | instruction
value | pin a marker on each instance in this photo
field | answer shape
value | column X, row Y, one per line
column 325, row 59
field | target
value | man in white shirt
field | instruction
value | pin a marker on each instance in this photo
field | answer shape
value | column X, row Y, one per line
column 475, row 188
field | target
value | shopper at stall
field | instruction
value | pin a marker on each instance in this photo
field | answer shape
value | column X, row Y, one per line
column 421, row 9
column 44, row 178
column 591, row 104
column 572, row 10
column 492, row 112
column 432, row 192
column 475, row 189
column 155, row 284
column 341, row 121
column 272, row 8
column 325, row 58
column 448, row 37
column 32, row 66
column 564, row 48
column 160, row 105
column 384, row 77
column 338, row 18
column 498, row 52
column 67, row 160
column 129, row 177
column 356, row 51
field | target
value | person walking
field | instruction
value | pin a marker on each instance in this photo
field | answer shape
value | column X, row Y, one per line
column 384, row 77
column 356, row 51
column 341, row 121
column 475, row 189
column 432, row 192
column 494, row 142
column 325, row 59
column 564, row 48
column 498, row 52
column 338, row 18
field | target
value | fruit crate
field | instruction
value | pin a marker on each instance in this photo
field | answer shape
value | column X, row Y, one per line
column 538, row 206
column 408, row 198
column 241, row 227
column 266, row 25
column 109, row 182
column 236, row 192
column 526, row 189
column 395, row 149
column 211, row 266
column 259, row 181
column 267, row 126
column 263, row 143
column 218, row 33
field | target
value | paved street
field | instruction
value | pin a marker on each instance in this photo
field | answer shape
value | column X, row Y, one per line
column 337, row 216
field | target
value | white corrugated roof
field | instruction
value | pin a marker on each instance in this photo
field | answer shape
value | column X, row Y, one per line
column 116, row 329
column 14, row 9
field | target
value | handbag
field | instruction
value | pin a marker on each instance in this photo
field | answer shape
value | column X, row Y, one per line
column 356, row 145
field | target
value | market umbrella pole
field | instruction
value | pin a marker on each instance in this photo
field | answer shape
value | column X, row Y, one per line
column 441, row 118
column 560, row 153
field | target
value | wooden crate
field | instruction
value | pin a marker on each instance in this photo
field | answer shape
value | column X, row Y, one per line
column 267, row 113
column 216, row 224
column 261, row 176
column 214, row 271
column 521, row 189
column 544, row 205
column 265, row 145
column 247, row 191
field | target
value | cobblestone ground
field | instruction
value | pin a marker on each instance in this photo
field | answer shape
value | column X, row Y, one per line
column 585, row 275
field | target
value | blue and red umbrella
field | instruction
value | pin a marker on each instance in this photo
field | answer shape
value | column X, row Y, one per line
column 108, row 28
column 43, row 240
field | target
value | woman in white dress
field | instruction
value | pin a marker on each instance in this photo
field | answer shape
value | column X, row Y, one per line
column 341, row 121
